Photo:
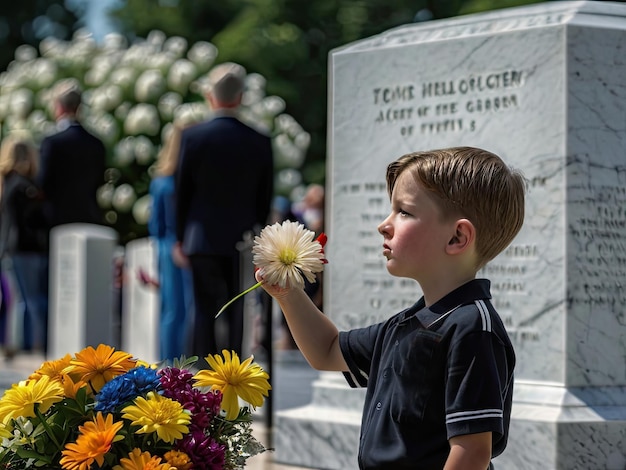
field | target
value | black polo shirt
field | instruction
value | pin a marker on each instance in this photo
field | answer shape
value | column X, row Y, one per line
column 431, row 374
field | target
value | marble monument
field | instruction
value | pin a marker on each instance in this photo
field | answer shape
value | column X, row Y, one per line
column 80, row 306
column 543, row 87
column 141, row 308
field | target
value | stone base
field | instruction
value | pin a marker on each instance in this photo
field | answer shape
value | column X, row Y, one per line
column 555, row 428
column 324, row 434
column 552, row 428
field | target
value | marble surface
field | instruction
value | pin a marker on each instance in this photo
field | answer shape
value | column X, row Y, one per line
column 141, row 303
column 542, row 86
column 80, row 304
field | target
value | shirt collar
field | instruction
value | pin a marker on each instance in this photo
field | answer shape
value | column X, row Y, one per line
column 467, row 293
column 64, row 123
column 226, row 112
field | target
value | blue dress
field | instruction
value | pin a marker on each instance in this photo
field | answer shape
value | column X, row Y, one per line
column 175, row 283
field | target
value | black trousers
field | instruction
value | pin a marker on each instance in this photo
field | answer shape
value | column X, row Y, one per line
column 215, row 282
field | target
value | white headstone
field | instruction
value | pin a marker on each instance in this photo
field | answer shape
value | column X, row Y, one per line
column 141, row 304
column 80, row 307
column 543, row 87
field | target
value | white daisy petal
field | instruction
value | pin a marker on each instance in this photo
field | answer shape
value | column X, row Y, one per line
column 288, row 253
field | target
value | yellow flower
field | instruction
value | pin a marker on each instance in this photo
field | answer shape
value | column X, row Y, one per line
column 234, row 379
column 98, row 366
column 143, row 461
column 286, row 252
column 178, row 460
column 53, row 369
column 5, row 431
column 92, row 444
column 158, row 414
column 21, row 398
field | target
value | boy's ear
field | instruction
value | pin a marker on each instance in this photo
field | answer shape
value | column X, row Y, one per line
column 464, row 237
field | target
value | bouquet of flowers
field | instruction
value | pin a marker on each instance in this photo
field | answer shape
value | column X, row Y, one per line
column 105, row 407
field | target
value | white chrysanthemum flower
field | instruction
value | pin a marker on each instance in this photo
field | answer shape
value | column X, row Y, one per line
column 287, row 253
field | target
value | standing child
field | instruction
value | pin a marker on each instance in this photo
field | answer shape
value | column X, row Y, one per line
column 439, row 375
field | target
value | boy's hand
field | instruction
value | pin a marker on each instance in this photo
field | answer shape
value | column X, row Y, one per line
column 274, row 290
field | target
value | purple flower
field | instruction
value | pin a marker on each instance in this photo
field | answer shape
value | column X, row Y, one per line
column 204, row 451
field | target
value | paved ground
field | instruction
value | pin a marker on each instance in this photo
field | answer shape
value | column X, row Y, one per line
column 291, row 379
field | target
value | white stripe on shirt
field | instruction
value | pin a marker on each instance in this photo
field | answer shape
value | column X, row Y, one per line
column 484, row 315
column 471, row 415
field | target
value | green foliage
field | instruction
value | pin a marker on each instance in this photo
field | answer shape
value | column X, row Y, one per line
column 29, row 21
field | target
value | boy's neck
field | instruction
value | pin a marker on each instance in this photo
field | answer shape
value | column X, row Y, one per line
column 436, row 288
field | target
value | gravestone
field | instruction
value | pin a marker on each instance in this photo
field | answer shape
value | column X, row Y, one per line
column 80, row 312
column 141, row 302
column 543, row 87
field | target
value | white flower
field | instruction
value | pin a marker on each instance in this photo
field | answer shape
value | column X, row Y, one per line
column 181, row 74
column 144, row 150
column 143, row 118
column 124, row 197
column 202, row 53
column 104, row 195
column 287, row 179
column 150, row 86
column 274, row 105
column 168, row 103
column 175, row 45
column 287, row 253
column 141, row 209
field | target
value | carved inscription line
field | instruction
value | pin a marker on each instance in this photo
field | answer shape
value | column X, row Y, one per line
column 447, row 106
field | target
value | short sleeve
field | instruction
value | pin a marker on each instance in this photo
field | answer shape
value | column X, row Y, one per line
column 357, row 347
column 476, row 385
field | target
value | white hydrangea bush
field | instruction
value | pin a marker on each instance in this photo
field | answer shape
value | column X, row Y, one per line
column 132, row 94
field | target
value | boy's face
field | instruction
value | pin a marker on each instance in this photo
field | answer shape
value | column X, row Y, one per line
column 415, row 234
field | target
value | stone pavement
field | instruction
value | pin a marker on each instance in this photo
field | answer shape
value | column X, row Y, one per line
column 291, row 380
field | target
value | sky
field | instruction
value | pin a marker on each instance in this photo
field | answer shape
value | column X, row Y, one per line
column 96, row 18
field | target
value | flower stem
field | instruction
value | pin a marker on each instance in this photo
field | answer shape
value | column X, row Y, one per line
column 46, row 426
column 250, row 289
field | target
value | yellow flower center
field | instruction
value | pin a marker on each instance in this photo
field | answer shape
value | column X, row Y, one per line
column 288, row 256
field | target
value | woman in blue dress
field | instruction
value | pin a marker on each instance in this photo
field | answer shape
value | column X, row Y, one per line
column 174, row 282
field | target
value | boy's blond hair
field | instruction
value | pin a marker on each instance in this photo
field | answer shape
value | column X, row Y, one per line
column 474, row 184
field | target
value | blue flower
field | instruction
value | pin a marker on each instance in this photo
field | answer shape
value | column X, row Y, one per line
column 125, row 388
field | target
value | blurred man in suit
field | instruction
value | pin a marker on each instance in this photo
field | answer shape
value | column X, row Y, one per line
column 72, row 165
column 224, row 188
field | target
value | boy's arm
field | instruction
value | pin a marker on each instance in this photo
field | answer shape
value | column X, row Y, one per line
column 469, row 452
column 316, row 336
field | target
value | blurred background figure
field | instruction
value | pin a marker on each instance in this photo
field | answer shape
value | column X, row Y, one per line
column 310, row 210
column 72, row 164
column 176, row 291
column 24, row 237
column 224, row 188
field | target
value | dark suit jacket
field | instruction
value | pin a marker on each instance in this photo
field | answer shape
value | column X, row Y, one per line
column 224, row 185
column 72, row 168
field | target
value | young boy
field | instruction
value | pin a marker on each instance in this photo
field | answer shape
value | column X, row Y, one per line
column 439, row 375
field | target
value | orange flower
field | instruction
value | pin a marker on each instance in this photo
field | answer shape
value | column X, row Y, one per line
column 98, row 366
column 53, row 369
column 142, row 461
column 92, row 444
column 71, row 388
column 178, row 460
